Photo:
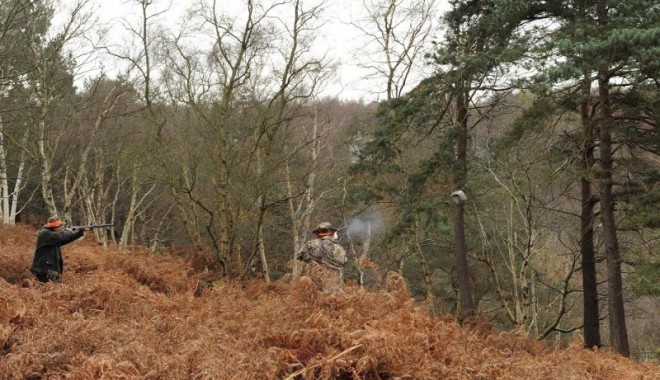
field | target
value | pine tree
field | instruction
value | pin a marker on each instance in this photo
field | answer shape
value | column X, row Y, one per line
column 609, row 45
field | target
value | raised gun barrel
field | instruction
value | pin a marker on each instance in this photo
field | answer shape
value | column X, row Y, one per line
column 92, row 226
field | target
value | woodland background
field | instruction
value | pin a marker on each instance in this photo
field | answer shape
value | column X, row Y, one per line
column 214, row 137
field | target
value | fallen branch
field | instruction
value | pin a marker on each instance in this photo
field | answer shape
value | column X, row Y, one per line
column 303, row 370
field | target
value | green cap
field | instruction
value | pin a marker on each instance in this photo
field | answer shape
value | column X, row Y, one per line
column 325, row 226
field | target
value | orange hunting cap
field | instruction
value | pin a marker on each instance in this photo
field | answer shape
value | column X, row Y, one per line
column 54, row 221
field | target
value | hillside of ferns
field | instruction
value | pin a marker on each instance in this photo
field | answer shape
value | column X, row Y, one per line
column 143, row 315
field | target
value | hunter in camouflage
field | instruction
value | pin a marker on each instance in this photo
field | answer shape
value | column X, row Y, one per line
column 325, row 259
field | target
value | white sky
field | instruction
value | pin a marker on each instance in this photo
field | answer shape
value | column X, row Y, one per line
column 341, row 40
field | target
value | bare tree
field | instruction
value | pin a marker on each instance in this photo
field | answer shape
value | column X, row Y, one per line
column 56, row 108
column 518, row 247
column 304, row 193
column 238, row 93
column 142, row 34
column 298, row 83
column 396, row 33
column 15, row 15
column 9, row 196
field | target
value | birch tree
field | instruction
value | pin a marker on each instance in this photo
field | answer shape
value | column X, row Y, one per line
column 297, row 83
column 239, row 91
column 14, row 166
column 396, row 33
column 56, row 107
column 303, row 192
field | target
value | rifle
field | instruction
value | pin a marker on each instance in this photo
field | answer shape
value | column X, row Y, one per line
column 342, row 232
column 90, row 226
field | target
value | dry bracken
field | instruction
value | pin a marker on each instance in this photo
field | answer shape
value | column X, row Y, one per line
column 143, row 316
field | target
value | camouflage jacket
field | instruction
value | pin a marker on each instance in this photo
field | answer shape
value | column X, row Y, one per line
column 324, row 251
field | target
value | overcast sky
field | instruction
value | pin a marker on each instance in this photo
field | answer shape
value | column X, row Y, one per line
column 338, row 37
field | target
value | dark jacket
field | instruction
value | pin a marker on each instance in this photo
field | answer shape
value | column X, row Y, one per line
column 48, row 255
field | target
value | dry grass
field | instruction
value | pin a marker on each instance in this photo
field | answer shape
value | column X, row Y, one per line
column 136, row 316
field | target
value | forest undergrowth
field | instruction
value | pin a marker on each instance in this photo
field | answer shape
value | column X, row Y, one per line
column 140, row 315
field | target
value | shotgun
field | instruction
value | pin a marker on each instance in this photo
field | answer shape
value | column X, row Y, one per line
column 90, row 226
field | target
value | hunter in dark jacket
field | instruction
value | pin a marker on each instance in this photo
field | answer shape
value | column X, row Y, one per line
column 47, row 264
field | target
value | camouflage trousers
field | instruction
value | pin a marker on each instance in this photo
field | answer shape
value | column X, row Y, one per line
column 328, row 280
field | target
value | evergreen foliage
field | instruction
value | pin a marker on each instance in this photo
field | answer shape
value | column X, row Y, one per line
column 645, row 281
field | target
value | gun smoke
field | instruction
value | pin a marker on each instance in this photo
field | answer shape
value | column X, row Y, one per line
column 370, row 222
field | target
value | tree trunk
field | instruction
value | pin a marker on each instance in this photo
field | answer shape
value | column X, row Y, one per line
column 130, row 216
column 4, row 179
column 91, row 209
column 18, row 185
column 460, row 246
column 262, row 254
column 366, row 246
column 302, row 207
column 426, row 273
column 617, row 317
column 259, row 249
column 45, row 164
column 589, row 280
column 263, row 209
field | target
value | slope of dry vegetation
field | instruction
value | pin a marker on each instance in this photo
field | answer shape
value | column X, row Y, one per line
column 139, row 316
